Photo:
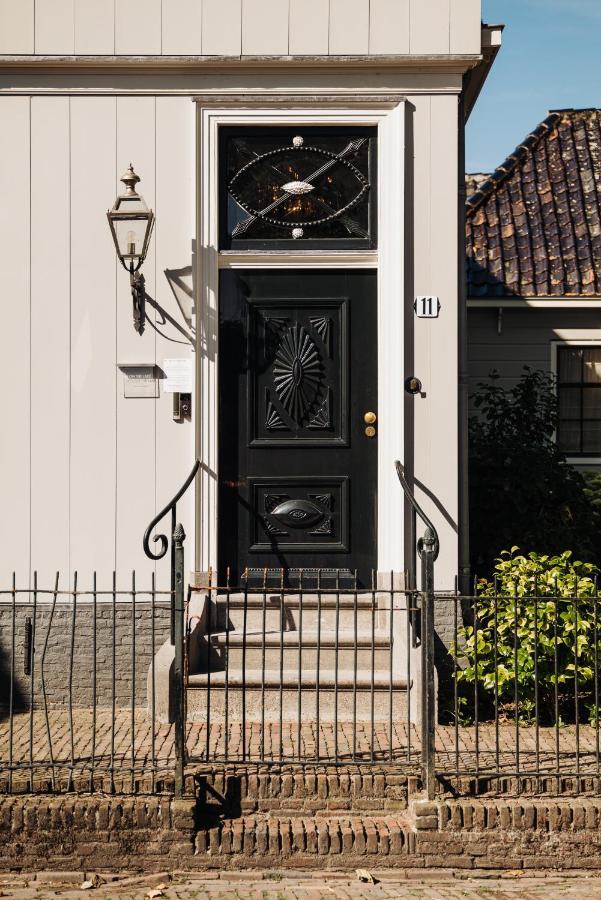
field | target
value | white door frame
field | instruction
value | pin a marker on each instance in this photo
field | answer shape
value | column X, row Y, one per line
column 387, row 113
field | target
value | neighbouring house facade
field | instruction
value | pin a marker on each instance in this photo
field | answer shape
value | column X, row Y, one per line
column 220, row 105
column 534, row 272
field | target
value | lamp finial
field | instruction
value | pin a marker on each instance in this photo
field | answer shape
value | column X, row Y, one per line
column 130, row 180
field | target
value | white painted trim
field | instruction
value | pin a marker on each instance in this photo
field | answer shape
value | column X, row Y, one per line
column 283, row 259
column 592, row 337
column 389, row 117
column 560, row 303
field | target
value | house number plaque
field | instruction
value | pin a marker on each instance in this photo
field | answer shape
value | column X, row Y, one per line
column 427, row 307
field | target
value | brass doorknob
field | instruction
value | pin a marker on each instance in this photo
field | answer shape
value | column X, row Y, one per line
column 369, row 418
column 370, row 431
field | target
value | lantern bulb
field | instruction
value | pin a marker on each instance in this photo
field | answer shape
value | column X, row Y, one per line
column 131, row 243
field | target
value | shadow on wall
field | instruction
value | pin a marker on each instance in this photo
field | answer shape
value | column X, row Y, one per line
column 18, row 695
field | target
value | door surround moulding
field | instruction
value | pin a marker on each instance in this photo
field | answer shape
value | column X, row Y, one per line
column 387, row 112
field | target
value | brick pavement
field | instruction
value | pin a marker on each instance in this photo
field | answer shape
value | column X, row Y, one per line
column 248, row 885
column 75, row 742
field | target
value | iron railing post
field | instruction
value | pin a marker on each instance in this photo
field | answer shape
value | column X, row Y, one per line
column 428, row 697
column 179, row 537
column 427, row 548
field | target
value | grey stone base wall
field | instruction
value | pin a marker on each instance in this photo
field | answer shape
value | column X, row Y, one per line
column 64, row 636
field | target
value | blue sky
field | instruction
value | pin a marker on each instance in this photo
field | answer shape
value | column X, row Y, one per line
column 550, row 59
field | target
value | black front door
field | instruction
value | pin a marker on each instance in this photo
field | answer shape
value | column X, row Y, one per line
column 297, row 457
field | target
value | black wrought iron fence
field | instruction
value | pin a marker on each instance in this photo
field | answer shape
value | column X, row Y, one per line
column 78, row 700
column 121, row 687
column 523, row 712
column 302, row 666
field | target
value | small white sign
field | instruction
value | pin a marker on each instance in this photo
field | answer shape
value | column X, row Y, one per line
column 427, row 307
column 179, row 376
column 140, row 381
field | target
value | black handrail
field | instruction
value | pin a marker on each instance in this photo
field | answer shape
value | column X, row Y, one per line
column 427, row 522
column 164, row 540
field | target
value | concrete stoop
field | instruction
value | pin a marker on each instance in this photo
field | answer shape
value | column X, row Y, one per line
column 95, row 833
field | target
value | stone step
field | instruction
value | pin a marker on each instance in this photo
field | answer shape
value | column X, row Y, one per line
column 263, row 701
column 273, row 611
column 257, row 649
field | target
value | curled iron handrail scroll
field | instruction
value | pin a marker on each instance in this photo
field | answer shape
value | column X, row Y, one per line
column 427, row 522
column 162, row 538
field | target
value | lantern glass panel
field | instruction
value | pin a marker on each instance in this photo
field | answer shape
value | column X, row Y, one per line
column 131, row 234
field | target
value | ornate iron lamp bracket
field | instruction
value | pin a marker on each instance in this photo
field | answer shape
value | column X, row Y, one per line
column 138, row 293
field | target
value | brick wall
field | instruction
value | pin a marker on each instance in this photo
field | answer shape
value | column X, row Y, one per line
column 58, row 652
column 95, row 833
column 153, row 834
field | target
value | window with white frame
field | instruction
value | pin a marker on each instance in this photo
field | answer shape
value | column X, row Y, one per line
column 579, row 394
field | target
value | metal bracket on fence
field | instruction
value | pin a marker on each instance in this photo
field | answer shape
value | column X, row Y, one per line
column 178, row 537
column 428, row 548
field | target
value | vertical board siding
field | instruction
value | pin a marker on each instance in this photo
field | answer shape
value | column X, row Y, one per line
column 309, row 27
column 136, row 458
column 235, row 27
column 430, row 23
column 54, row 26
column 175, row 229
column 95, row 27
column 16, row 26
column 222, row 27
column 182, row 27
column 265, row 27
column 50, row 326
column 14, row 336
column 349, row 27
column 442, row 332
column 420, row 228
column 93, row 424
column 138, row 27
column 389, row 26
column 466, row 18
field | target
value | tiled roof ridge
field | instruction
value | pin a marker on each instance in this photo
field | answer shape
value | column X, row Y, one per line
column 514, row 159
column 533, row 228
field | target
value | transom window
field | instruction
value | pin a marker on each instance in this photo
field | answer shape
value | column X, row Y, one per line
column 305, row 188
column 579, row 391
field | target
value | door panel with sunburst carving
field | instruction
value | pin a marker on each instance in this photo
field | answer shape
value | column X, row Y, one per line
column 297, row 372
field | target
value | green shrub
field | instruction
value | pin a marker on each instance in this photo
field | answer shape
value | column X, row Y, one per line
column 537, row 621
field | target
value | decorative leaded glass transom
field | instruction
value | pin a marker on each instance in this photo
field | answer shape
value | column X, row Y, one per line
column 312, row 188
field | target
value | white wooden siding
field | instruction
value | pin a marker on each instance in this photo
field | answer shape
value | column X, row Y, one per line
column 309, row 27
column 174, row 249
column 54, row 26
column 137, row 27
column 14, row 336
column 234, row 27
column 50, row 327
column 349, row 27
column 389, row 27
column 265, row 27
column 16, row 26
column 84, row 469
column 94, row 27
column 431, row 424
column 93, row 458
column 465, row 29
column 182, row 27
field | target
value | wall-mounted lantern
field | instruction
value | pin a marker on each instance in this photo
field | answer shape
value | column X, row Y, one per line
column 131, row 224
